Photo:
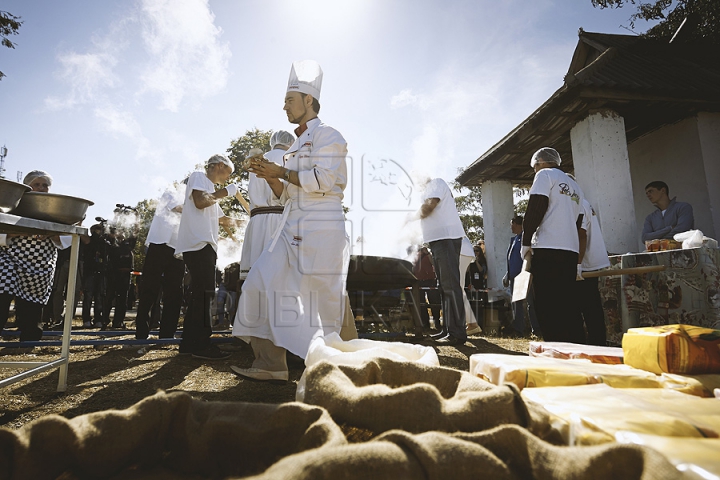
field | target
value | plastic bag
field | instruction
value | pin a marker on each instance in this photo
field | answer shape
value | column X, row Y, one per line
column 690, row 239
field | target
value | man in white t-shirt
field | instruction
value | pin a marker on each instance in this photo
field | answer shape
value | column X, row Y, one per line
column 162, row 269
column 593, row 257
column 443, row 231
column 198, row 241
column 550, row 235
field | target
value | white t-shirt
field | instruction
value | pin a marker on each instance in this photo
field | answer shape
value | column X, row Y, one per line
column 595, row 252
column 558, row 229
column 165, row 223
column 443, row 223
column 198, row 227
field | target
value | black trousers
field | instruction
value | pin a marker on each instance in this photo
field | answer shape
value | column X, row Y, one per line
column 116, row 293
column 591, row 309
column 28, row 316
column 93, row 291
column 161, row 270
column 197, row 326
column 556, row 304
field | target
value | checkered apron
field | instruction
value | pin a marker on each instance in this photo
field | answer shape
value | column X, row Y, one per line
column 27, row 266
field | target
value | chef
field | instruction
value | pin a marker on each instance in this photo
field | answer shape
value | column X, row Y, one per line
column 197, row 240
column 27, row 266
column 551, row 236
column 265, row 208
column 296, row 288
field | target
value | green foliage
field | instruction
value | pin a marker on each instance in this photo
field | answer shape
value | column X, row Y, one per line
column 703, row 17
column 9, row 25
column 145, row 214
column 469, row 207
column 237, row 152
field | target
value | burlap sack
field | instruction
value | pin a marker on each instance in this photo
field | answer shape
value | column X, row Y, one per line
column 507, row 452
column 383, row 395
column 165, row 436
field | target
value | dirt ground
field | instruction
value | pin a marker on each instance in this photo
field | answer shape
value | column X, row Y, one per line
column 113, row 377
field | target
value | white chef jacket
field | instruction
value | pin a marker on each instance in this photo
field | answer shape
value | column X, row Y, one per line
column 260, row 228
column 296, row 288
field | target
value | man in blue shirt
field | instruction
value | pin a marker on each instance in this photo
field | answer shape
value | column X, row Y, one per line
column 514, row 266
column 671, row 216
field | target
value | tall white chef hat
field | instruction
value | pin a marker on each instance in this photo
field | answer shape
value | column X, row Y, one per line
column 306, row 77
column 281, row 137
column 547, row 155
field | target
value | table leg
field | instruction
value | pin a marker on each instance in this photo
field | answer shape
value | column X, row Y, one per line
column 69, row 302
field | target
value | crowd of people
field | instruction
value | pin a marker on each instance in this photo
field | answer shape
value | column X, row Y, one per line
column 295, row 254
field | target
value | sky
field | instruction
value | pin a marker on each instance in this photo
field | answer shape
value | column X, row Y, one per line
column 119, row 98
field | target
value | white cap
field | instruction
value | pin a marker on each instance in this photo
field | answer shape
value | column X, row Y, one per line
column 306, row 77
column 281, row 137
column 35, row 174
column 217, row 158
column 546, row 155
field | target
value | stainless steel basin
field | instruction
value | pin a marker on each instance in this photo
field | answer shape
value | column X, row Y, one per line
column 10, row 194
column 52, row 207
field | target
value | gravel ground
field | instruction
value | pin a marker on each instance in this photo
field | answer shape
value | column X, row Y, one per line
column 113, row 377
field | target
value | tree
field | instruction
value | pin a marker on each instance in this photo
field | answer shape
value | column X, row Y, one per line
column 9, row 25
column 237, row 152
column 702, row 17
column 469, row 207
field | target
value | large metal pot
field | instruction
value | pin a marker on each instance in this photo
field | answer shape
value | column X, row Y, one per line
column 52, row 207
column 379, row 273
column 10, row 194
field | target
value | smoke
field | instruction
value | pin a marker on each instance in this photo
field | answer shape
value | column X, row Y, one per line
column 229, row 250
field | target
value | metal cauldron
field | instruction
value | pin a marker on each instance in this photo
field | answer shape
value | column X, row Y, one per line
column 10, row 194
column 379, row 273
column 52, row 207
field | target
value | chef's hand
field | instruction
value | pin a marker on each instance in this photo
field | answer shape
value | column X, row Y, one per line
column 579, row 276
column 266, row 169
column 231, row 189
column 525, row 251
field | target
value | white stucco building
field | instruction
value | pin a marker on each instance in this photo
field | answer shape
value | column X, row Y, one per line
column 631, row 110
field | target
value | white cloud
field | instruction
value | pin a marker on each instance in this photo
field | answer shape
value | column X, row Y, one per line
column 88, row 74
column 186, row 56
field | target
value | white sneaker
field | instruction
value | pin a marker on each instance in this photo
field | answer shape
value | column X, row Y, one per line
column 474, row 331
column 259, row 374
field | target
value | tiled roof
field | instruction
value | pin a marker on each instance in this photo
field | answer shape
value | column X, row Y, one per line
column 649, row 82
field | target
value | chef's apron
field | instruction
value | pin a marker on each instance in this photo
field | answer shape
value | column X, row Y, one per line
column 295, row 290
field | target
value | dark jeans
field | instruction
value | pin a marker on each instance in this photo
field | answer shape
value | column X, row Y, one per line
column 446, row 255
column 556, row 303
column 28, row 317
column 591, row 309
column 59, row 293
column 197, row 326
column 161, row 270
column 118, row 284
column 93, row 291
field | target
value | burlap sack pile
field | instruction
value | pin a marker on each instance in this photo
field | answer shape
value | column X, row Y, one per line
column 383, row 395
column 163, row 436
column 508, row 452
column 172, row 436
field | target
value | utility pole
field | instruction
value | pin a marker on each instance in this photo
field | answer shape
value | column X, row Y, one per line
column 3, row 154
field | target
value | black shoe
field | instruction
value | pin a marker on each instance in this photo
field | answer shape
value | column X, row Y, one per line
column 449, row 341
column 211, row 353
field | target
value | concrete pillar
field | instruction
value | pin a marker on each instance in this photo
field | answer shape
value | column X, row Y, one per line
column 498, row 209
column 709, row 133
column 602, row 168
